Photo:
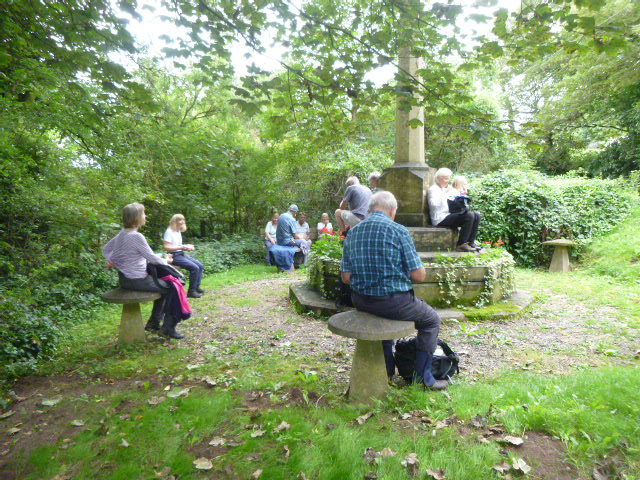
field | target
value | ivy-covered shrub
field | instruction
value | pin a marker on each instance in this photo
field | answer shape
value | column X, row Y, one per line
column 526, row 208
column 231, row 251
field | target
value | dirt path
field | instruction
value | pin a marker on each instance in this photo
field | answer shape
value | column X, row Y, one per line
column 553, row 336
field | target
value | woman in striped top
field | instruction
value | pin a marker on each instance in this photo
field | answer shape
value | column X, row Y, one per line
column 129, row 252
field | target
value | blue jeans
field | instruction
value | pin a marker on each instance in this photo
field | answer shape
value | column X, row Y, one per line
column 196, row 268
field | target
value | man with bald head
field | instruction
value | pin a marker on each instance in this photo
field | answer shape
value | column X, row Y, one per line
column 381, row 263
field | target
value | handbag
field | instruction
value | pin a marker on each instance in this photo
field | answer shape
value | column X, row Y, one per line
column 157, row 271
column 460, row 204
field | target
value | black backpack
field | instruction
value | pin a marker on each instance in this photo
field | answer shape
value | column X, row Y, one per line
column 443, row 366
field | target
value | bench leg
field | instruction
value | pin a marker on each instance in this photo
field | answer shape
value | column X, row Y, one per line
column 368, row 373
column 560, row 260
column 131, row 327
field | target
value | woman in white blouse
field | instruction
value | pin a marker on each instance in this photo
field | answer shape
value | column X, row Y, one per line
column 324, row 226
column 440, row 215
column 270, row 234
column 172, row 242
column 129, row 252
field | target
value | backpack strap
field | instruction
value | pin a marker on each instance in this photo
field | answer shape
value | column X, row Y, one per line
column 446, row 348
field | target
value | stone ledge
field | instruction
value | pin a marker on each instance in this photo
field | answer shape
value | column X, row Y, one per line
column 307, row 299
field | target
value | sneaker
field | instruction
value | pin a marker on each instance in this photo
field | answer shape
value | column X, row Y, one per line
column 465, row 248
column 476, row 247
column 193, row 294
column 200, row 290
column 170, row 333
column 152, row 325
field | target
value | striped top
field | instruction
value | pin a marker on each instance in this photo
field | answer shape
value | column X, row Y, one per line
column 130, row 252
column 380, row 253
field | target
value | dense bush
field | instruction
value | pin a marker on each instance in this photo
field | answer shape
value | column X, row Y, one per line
column 527, row 208
column 231, row 251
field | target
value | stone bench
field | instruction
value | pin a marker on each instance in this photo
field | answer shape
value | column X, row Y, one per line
column 560, row 258
column 368, row 378
column 131, row 325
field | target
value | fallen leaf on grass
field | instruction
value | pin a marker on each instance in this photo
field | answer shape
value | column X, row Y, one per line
column 233, row 444
column 386, row 452
column 436, row 474
column 257, row 474
column 50, row 402
column 211, row 382
column 479, row 421
column 503, row 467
column 283, row 426
column 370, row 476
column 253, row 457
column 217, row 442
column 257, row 433
column 303, row 476
column 124, row 443
column 517, row 441
column 6, row 414
column 370, row 455
column 287, row 451
column 331, row 426
column 412, row 464
column 203, row 464
column 164, row 473
column 156, row 400
column 363, row 418
column 77, row 423
column 520, row 464
column 4, row 452
column 178, row 393
column 13, row 431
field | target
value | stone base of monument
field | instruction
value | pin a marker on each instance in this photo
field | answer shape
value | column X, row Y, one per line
column 306, row 299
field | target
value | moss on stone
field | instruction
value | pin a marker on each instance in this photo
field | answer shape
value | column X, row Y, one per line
column 492, row 312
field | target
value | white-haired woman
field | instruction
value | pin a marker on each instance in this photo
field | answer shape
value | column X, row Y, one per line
column 129, row 252
column 324, row 226
column 439, row 194
column 173, row 244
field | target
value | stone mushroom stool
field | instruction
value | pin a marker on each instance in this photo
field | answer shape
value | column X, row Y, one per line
column 368, row 374
column 560, row 259
column 131, row 325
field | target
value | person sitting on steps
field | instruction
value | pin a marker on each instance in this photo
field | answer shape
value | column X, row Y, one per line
column 439, row 194
column 173, row 245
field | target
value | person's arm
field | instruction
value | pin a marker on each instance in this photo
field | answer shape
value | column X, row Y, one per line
column 107, row 251
column 343, row 205
column 144, row 249
column 436, row 198
column 418, row 275
column 267, row 235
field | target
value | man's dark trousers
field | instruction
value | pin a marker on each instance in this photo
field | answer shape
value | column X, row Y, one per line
column 404, row 306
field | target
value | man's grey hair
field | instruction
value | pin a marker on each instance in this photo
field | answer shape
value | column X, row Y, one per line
column 384, row 201
column 374, row 176
column 443, row 172
column 352, row 180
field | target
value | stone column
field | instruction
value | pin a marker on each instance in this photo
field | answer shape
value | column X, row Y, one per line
column 410, row 176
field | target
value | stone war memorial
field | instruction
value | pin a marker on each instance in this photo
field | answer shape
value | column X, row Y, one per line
column 454, row 279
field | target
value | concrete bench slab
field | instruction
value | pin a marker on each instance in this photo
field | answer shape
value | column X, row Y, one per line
column 368, row 378
column 131, row 325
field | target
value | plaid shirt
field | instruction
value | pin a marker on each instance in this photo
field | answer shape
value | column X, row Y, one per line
column 379, row 254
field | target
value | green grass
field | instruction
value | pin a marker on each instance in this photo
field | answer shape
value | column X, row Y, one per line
column 594, row 412
column 617, row 254
column 241, row 274
column 592, row 290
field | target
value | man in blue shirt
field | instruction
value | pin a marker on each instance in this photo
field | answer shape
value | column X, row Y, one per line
column 380, row 263
column 287, row 236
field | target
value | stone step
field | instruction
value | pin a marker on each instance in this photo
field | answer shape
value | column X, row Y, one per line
column 435, row 239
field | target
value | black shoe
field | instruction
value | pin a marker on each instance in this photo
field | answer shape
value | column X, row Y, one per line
column 199, row 290
column 477, row 247
column 170, row 333
column 153, row 325
column 193, row 294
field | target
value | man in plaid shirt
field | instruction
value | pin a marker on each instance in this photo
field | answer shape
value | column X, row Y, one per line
column 380, row 263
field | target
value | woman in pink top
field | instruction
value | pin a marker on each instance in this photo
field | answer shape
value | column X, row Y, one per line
column 129, row 252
